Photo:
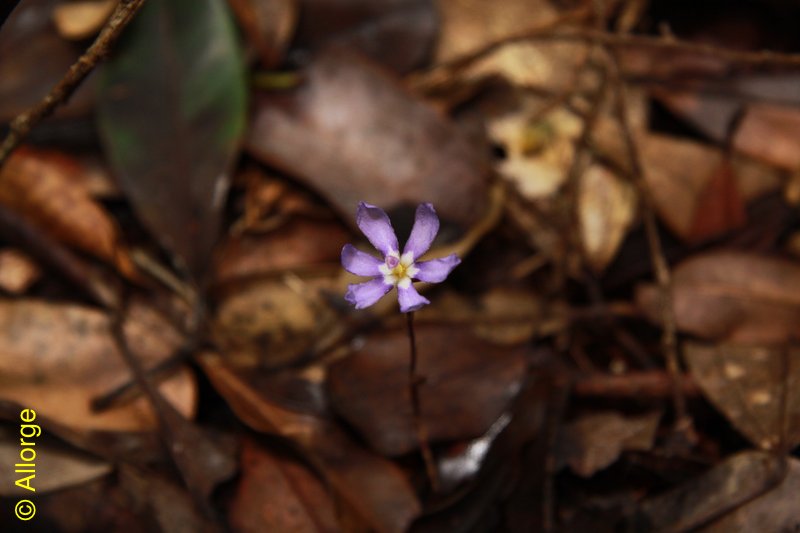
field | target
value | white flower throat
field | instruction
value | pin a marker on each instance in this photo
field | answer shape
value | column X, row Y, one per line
column 398, row 270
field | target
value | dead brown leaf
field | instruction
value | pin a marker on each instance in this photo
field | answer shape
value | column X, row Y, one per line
column 28, row 39
column 297, row 244
column 274, row 321
column 720, row 207
column 296, row 499
column 352, row 133
column 733, row 296
column 775, row 510
column 55, row 358
column 678, row 173
column 468, row 384
column 757, row 388
column 374, row 488
column 57, row 467
column 470, row 24
column 398, row 34
column 595, row 441
column 40, row 186
column 723, row 488
column 606, row 210
column 771, row 133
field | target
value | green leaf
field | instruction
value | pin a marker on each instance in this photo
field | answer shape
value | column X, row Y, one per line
column 171, row 112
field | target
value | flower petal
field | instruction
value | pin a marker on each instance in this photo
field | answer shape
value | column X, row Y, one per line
column 436, row 270
column 357, row 262
column 375, row 224
column 365, row 294
column 410, row 299
column 426, row 226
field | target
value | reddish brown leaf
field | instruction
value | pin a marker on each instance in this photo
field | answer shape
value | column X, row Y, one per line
column 720, row 207
column 373, row 487
column 352, row 133
column 468, row 385
column 678, row 173
column 295, row 501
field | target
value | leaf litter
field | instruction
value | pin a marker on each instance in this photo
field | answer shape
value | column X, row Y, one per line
column 182, row 332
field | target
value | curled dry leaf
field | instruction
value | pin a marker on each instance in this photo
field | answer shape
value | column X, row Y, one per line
column 757, row 388
column 58, row 467
column 296, row 499
column 352, row 133
column 732, row 296
column 59, row 379
column 82, row 19
column 595, row 441
column 468, row 384
column 372, row 487
column 17, row 271
column 45, row 187
column 606, row 208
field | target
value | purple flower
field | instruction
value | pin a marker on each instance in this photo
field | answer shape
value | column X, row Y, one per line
column 395, row 270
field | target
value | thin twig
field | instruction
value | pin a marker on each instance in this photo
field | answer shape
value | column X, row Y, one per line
column 653, row 384
column 23, row 123
column 558, row 30
column 669, row 341
column 414, row 381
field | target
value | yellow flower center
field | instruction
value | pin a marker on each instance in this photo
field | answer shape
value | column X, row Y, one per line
column 400, row 271
column 403, row 270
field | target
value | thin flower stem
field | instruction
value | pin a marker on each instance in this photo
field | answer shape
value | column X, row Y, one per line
column 414, row 381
